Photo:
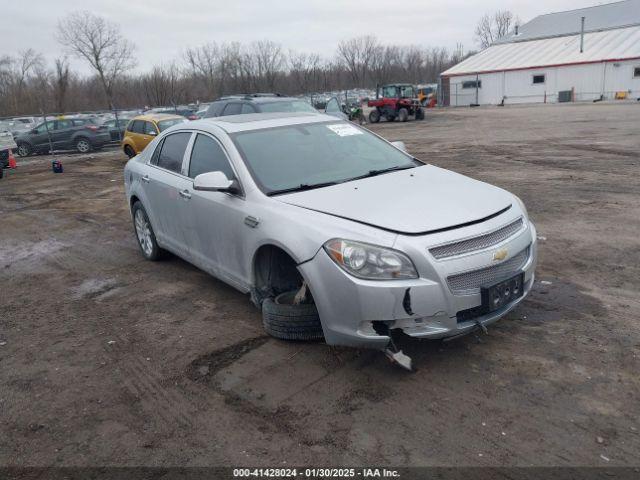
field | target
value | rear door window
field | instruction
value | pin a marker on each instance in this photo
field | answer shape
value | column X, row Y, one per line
column 208, row 155
column 137, row 126
column 214, row 109
column 247, row 108
column 232, row 109
column 43, row 127
column 63, row 124
column 172, row 151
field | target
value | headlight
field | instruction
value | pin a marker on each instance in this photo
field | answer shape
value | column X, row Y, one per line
column 524, row 209
column 370, row 262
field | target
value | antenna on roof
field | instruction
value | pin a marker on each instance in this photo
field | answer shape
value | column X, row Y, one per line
column 582, row 35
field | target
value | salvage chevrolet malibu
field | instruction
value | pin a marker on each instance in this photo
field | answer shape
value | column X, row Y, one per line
column 335, row 232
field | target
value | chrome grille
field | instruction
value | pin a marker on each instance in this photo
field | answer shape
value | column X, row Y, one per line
column 470, row 282
column 477, row 243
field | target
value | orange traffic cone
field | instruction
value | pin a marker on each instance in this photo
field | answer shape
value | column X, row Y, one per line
column 12, row 160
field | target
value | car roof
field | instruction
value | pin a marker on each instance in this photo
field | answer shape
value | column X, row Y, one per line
column 260, row 98
column 258, row 121
column 156, row 117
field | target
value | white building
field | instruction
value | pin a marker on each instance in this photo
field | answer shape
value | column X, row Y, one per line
column 555, row 58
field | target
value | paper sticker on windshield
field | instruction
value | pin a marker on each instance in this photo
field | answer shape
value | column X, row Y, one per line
column 344, row 130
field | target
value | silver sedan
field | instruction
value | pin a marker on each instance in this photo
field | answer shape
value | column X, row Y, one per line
column 335, row 232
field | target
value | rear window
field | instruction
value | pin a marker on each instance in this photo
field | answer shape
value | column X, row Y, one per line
column 164, row 124
column 287, row 106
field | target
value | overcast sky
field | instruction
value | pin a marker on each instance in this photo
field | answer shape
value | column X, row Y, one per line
column 162, row 29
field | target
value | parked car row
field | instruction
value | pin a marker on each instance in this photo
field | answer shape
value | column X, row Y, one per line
column 142, row 129
column 80, row 134
column 86, row 131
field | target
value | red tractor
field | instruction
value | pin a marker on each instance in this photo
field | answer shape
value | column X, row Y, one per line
column 395, row 101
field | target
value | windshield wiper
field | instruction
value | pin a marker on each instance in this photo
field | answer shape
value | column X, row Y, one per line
column 302, row 187
column 373, row 173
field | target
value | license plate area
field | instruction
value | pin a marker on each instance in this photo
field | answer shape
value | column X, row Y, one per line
column 496, row 296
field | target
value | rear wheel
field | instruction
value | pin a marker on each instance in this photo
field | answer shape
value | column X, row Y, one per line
column 144, row 233
column 129, row 151
column 83, row 145
column 283, row 320
column 403, row 115
column 374, row 116
column 24, row 149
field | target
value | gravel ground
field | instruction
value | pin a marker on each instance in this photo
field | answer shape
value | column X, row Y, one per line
column 106, row 359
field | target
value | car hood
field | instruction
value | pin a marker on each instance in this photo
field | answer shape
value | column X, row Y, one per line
column 425, row 199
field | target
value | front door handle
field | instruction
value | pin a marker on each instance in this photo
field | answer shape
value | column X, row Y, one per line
column 145, row 178
column 185, row 194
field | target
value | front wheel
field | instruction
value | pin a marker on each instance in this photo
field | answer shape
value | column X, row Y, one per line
column 374, row 116
column 83, row 145
column 403, row 115
column 144, row 233
column 286, row 321
column 419, row 113
column 129, row 151
column 24, row 149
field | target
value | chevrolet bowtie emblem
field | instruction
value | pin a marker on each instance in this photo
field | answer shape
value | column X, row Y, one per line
column 500, row 254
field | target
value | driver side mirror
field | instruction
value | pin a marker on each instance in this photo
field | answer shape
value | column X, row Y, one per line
column 34, row 131
column 400, row 145
column 153, row 133
column 214, row 182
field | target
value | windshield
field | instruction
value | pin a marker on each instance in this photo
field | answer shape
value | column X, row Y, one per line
column 287, row 106
column 306, row 155
column 164, row 124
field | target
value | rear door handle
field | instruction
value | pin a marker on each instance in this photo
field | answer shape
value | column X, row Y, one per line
column 185, row 194
column 145, row 178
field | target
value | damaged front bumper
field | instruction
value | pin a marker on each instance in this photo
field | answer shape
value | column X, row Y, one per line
column 352, row 310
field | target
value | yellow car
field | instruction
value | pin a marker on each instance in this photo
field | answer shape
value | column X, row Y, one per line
column 143, row 128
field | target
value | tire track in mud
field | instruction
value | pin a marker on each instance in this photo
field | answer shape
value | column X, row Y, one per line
column 145, row 384
column 217, row 360
column 204, row 369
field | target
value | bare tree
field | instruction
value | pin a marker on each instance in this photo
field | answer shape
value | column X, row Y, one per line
column 268, row 62
column 15, row 73
column 28, row 61
column 162, row 85
column 205, row 63
column 61, row 85
column 304, row 71
column 100, row 43
column 357, row 55
column 492, row 27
